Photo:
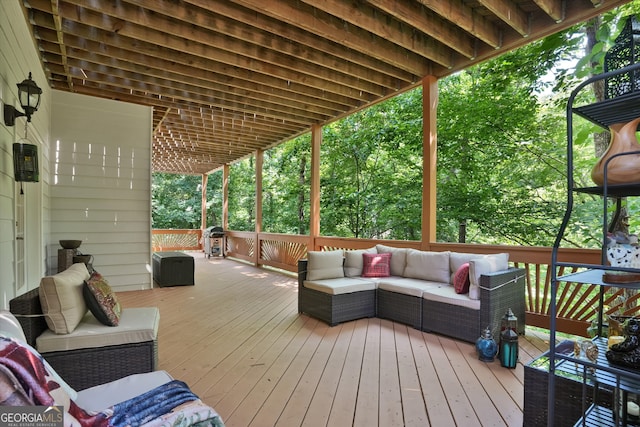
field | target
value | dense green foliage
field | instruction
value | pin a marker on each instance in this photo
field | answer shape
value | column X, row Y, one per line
column 175, row 201
column 501, row 161
column 371, row 171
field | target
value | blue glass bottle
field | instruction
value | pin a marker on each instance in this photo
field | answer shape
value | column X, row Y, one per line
column 486, row 346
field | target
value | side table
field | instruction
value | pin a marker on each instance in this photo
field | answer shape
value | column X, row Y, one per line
column 173, row 269
column 568, row 390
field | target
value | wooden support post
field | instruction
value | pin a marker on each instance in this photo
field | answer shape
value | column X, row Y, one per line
column 429, row 159
column 314, row 193
column 258, row 224
column 225, row 197
column 203, row 203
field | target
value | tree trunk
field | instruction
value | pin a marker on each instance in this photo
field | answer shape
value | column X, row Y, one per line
column 462, row 231
column 301, row 180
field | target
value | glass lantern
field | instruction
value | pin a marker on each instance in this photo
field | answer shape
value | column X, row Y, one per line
column 29, row 95
column 486, row 346
column 509, row 340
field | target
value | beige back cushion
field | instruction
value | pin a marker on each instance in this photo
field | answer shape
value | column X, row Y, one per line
column 485, row 265
column 431, row 266
column 325, row 265
column 353, row 261
column 61, row 298
column 398, row 258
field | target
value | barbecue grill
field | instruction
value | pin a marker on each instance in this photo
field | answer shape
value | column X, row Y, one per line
column 214, row 241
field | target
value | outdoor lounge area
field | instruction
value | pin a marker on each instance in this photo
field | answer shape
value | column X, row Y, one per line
column 237, row 339
column 122, row 91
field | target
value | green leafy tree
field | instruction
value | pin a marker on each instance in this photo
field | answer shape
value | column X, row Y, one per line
column 286, row 187
column 500, row 152
column 371, row 169
column 242, row 196
column 214, row 199
column 175, row 201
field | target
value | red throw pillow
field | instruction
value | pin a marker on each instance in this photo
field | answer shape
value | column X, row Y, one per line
column 376, row 265
column 461, row 279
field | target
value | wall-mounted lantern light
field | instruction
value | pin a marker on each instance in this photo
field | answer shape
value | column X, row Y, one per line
column 29, row 96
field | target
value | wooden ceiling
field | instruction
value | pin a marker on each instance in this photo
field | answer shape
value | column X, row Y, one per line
column 228, row 77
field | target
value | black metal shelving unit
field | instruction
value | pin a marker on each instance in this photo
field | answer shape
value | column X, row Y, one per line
column 601, row 375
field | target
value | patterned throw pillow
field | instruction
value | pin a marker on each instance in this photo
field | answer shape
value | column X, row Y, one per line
column 461, row 279
column 101, row 300
column 376, row 265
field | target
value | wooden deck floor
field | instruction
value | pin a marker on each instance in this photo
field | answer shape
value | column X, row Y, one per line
column 237, row 339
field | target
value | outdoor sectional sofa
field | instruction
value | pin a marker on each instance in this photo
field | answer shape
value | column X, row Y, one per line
column 450, row 293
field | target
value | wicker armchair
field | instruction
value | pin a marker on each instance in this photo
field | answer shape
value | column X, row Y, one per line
column 85, row 367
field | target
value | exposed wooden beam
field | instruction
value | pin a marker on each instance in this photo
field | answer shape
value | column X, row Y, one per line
column 209, row 18
column 554, row 8
column 363, row 16
column 213, row 46
column 228, row 77
column 326, row 26
column 464, row 16
column 511, row 14
column 101, row 54
column 430, row 24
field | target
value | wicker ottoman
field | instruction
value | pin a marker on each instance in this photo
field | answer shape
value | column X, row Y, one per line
column 173, row 269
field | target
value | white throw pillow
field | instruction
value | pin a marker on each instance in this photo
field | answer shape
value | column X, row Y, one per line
column 484, row 265
column 398, row 258
column 325, row 265
column 353, row 261
column 457, row 259
column 61, row 298
column 425, row 265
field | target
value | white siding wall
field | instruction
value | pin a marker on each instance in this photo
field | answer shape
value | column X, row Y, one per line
column 18, row 56
column 100, row 185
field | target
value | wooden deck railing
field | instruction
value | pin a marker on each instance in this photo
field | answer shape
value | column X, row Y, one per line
column 176, row 240
column 577, row 302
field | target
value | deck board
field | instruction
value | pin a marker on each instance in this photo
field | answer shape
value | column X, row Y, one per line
column 237, row 339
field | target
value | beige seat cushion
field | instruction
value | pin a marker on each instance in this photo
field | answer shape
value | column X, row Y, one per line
column 457, row 259
column 406, row 286
column 61, row 298
column 344, row 285
column 447, row 294
column 136, row 325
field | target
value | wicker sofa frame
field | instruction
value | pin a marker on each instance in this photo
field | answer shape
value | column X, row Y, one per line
column 401, row 308
column 333, row 309
column 86, row 367
column 499, row 292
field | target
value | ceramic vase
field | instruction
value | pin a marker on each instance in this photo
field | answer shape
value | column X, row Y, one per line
column 622, row 169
